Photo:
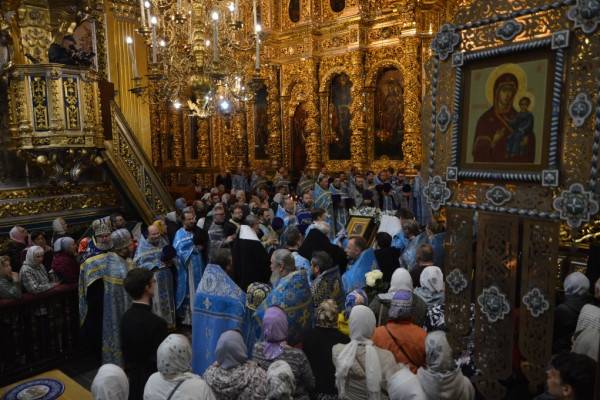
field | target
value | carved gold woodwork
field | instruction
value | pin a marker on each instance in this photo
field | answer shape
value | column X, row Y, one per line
column 34, row 29
column 52, row 106
column 299, row 61
column 43, row 200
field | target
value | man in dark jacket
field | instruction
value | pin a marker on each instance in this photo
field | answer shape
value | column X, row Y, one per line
column 141, row 331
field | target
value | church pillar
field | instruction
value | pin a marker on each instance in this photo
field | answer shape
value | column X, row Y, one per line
column 203, row 135
column 358, row 140
column 275, row 123
column 176, row 129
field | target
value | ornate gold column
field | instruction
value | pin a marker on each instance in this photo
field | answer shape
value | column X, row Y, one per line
column 203, row 135
column 274, row 110
column 412, row 149
column 358, row 140
column 177, row 132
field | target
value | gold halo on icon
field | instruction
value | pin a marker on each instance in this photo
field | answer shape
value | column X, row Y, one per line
column 510, row 68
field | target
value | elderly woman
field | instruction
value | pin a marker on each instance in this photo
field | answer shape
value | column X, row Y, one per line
column 318, row 343
column 587, row 333
column 33, row 275
column 431, row 292
column 441, row 378
column 576, row 287
column 233, row 376
column 362, row 370
column 59, row 229
column 354, row 298
column 64, row 263
column 274, row 347
column 280, row 381
column 174, row 379
column 110, row 383
column 19, row 240
column 401, row 280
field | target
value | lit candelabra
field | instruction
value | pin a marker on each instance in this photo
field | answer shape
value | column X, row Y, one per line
column 200, row 54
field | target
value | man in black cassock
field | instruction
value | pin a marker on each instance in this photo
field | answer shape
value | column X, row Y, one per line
column 250, row 259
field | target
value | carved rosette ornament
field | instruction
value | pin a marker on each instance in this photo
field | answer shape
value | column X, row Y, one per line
column 580, row 109
column 586, row 15
column 509, row 29
column 493, row 304
column 457, row 281
column 576, row 205
column 536, row 302
column 498, row 196
column 445, row 41
column 436, row 192
column 443, row 118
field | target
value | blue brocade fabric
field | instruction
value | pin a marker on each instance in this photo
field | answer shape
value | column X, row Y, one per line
column 148, row 256
column 354, row 277
column 190, row 260
column 220, row 305
column 293, row 295
column 112, row 269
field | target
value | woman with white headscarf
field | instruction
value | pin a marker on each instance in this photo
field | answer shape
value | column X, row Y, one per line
column 281, row 383
column 59, row 229
column 576, row 286
column 401, row 280
column 174, row 379
column 587, row 333
column 431, row 292
column 64, row 263
column 404, row 385
column 233, row 376
column 362, row 369
column 441, row 378
column 33, row 274
column 110, row 383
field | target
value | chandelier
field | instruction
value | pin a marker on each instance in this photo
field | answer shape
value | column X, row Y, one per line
column 200, row 54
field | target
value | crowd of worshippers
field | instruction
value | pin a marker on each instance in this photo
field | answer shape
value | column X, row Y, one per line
column 282, row 303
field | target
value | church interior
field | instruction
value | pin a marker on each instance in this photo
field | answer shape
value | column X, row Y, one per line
column 299, row 199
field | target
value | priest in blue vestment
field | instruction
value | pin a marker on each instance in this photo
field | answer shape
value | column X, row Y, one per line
column 362, row 260
column 219, row 306
column 291, row 293
column 106, row 273
column 191, row 265
column 323, row 200
column 148, row 255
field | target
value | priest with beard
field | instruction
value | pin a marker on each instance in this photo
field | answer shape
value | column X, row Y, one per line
column 99, row 243
column 189, row 247
column 102, row 296
column 218, row 228
column 148, row 255
column 250, row 259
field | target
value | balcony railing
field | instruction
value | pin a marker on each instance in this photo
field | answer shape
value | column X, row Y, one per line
column 37, row 332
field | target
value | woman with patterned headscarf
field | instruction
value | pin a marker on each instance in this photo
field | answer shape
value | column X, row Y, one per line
column 174, row 379
column 33, row 275
column 275, row 347
column 280, row 381
column 232, row 376
column 318, row 343
column 441, row 378
column 354, row 298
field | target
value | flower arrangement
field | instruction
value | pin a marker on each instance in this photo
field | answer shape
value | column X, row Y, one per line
column 375, row 283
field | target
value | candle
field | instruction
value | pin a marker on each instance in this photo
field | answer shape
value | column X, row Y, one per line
column 134, row 70
column 254, row 16
column 257, row 30
column 153, row 22
column 147, row 5
column 215, row 18
column 237, row 10
column 142, row 14
column 191, row 27
column 178, row 5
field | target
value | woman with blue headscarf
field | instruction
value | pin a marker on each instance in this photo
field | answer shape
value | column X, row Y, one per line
column 275, row 347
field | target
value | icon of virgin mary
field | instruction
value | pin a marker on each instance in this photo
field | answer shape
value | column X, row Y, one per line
column 503, row 134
